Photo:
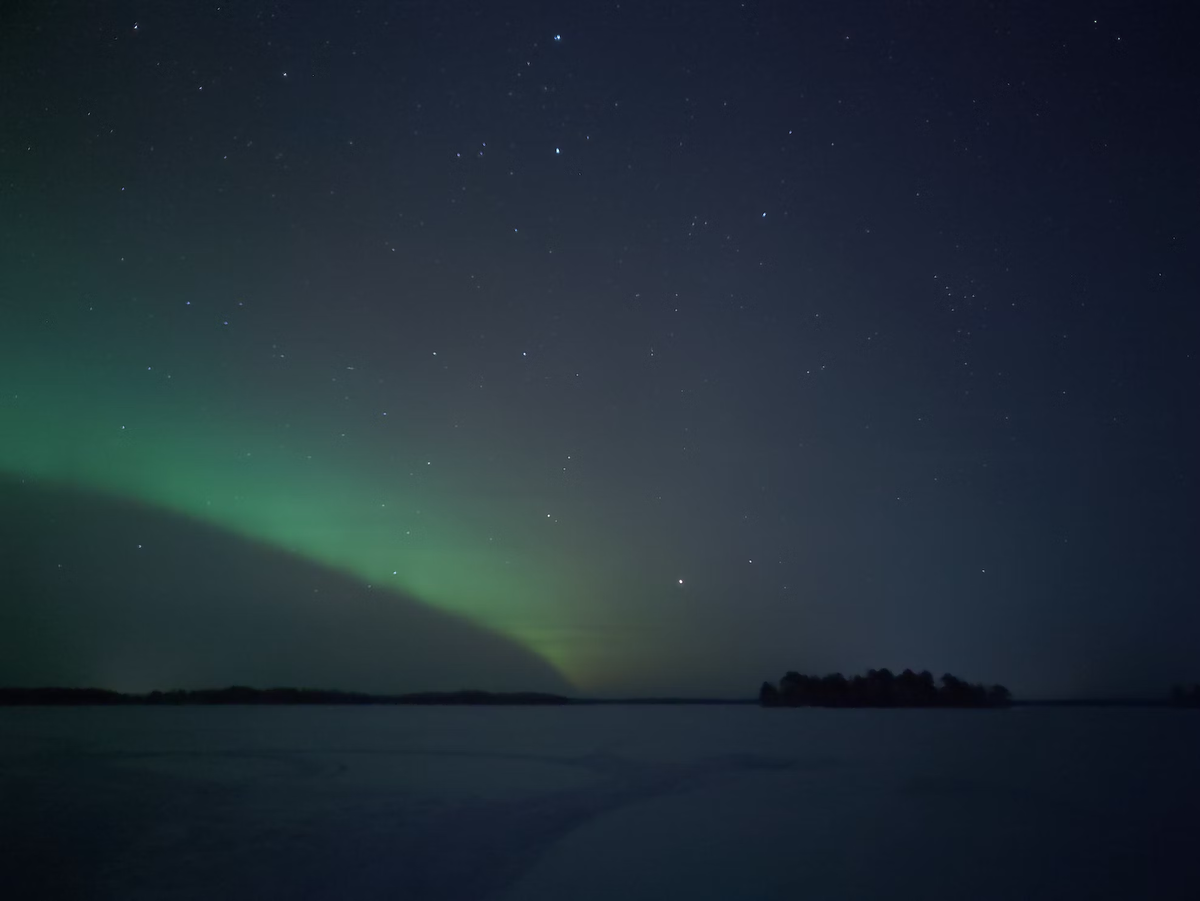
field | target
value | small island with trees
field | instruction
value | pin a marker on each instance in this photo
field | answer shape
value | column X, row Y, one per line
column 880, row 688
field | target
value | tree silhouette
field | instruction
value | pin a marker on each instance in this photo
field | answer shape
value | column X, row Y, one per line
column 768, row 695
column 1185, row 696
column 880, row 688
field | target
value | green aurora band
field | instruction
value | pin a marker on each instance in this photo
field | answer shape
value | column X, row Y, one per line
column 69, row 421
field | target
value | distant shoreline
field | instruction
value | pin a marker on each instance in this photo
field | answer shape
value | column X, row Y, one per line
column 275, row 697
column 296, row 697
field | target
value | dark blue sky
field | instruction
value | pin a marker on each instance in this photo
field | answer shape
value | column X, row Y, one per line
column 694, row 342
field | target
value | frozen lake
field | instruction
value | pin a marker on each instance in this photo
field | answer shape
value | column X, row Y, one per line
column 598, row 803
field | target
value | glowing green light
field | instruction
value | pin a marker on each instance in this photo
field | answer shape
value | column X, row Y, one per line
column 74, row 425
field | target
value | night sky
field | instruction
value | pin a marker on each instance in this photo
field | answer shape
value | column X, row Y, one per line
column 669, row 346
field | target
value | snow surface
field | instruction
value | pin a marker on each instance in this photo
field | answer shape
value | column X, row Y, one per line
column 598, row 803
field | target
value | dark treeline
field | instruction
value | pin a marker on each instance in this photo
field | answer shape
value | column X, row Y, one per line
column 1186, row 696
column 238, row 694
column 880, row 688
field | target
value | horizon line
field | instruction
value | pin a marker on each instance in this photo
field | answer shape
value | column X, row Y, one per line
column 305, row 696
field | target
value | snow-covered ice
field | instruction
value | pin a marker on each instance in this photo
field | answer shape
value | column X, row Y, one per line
column 606, row 802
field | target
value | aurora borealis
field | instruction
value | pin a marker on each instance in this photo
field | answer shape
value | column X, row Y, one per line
column 678, row 347
column 288, row 484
